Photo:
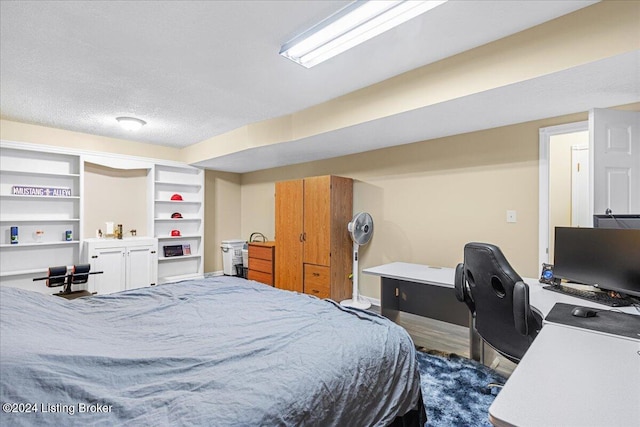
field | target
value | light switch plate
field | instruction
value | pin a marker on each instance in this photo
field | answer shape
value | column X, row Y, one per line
column 511, row 216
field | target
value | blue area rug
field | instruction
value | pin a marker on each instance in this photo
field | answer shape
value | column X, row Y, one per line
column 455, row 390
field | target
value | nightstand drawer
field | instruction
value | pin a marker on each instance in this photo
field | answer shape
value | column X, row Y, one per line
column 259, row 276
column 261, row 252
column 263, row 265
column 317, row 280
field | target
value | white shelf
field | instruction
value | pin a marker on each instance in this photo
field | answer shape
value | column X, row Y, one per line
column 184, row 236
column 177, row 258
column 179, row 278
column 178, row 202
column 40, row 220
column 24, row 272
column 177, row 219
column 178, row 184
column 42, row 174
column 40, row 244
column 18, row 197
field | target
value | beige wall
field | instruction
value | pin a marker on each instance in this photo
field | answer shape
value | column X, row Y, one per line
column 430, row 198
column 222, row 215
column 115, row 195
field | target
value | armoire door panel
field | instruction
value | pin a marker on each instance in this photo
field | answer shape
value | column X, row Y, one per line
column 341, row 244
column 289, row 247
column 317, row 220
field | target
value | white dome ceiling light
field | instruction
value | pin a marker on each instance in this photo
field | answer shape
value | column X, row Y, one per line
column 131, row 123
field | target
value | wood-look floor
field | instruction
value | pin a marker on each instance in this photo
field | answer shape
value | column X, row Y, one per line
column 446, row 337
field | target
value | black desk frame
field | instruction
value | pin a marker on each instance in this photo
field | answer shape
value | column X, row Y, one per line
column 434, row 301
column 428, row 300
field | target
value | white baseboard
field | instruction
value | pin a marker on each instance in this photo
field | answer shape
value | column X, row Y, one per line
column 214, row 273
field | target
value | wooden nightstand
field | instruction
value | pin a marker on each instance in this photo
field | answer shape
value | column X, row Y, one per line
column 261, row 262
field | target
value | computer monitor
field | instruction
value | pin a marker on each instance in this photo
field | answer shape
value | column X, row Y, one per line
column 617, row 221
column 607, row 258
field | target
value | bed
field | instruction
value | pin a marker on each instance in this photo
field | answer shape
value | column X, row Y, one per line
column 220, row 351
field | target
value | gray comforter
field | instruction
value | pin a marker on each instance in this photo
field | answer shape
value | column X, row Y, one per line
column 212, row 352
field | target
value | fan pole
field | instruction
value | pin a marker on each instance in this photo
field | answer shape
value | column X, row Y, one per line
column 355, row 302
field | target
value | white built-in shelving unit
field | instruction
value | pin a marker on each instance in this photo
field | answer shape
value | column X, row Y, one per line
column 42, row 220
column 188, row 182
column 32, row 165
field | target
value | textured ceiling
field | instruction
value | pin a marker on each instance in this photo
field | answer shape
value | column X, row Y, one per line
column 195, row 69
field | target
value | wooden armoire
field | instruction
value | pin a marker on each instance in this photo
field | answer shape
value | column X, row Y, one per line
column 313, row 251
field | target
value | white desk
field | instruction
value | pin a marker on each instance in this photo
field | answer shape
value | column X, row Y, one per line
column 444, row 276
column 544, row 300
column 572, row 377
column 421, row 290
column 419, row 273
column 568, row 377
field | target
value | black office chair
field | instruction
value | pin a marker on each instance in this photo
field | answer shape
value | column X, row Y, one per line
column 498, row 299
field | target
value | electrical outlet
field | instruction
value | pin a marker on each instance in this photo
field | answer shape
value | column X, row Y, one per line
column 511, row 216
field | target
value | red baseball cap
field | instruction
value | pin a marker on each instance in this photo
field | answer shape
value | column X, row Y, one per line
column 176, row 215
column 176, row 197
column 175, row 233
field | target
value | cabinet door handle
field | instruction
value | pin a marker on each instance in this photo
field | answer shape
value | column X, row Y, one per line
column 315, row 291
column 94, row 256
column 315, row 274
column 301, row 238
column 304, row 236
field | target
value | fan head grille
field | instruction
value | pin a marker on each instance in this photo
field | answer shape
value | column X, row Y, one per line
column 361, row 228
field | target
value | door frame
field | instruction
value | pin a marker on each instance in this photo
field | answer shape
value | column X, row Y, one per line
column 545, row 135
column 576, row 181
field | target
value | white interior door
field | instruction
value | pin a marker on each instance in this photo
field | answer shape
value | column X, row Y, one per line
column 614, row 140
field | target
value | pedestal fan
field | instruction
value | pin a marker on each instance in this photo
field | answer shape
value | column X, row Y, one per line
column 361, row 229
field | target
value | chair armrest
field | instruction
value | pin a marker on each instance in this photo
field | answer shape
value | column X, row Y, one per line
column 521, row 308
column 460, row 288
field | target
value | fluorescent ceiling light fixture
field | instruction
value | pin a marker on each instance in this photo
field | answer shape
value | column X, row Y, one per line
column 131, row 123
column 350, row 26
